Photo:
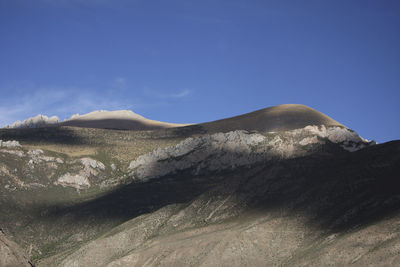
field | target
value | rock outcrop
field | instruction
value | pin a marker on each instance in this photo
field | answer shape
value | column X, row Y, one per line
column 9, row 144
column 223, row 151
column 36, row 122
column 77, row 181
column 90, row 168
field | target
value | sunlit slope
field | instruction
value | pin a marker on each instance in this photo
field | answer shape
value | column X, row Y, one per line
column 120, row 119
column 277, row 118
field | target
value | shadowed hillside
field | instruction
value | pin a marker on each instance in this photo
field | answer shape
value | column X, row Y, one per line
column 289, row 186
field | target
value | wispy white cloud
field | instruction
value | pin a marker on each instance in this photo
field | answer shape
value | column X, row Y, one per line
column 173, row 95
column 184, row 93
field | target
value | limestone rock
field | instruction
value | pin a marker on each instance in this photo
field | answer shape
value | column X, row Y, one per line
column 238, row 148
column 76, row 181
column 9, row 144
column 89, row 162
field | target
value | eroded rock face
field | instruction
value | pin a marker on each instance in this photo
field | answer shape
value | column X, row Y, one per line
column 212, row 152
column 239, row 148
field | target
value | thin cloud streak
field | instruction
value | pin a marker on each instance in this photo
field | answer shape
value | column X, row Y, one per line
column 176, row 95
column 181, row 94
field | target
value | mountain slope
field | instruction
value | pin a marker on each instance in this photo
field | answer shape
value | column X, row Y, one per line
column 11, row 254
column 300, row 211
column 314, row 195
column 277, row 118
column 120, row 119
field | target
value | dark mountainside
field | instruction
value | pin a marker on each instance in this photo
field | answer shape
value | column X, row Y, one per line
column 265, row 188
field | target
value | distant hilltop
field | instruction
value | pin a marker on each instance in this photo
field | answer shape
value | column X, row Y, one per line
column 119, row 119
column 273, row 119
column 278, row 118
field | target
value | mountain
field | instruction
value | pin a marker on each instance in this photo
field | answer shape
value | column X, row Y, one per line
column 120, row 119
column 278, row 118
column 103, row 119
column 243, row 191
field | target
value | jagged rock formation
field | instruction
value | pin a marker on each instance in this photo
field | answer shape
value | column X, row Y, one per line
column 36, row 122
column 230, row 150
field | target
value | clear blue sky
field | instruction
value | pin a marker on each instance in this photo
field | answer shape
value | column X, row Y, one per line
column 195, row 61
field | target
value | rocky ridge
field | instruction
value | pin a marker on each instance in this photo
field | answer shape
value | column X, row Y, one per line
column 230, row 150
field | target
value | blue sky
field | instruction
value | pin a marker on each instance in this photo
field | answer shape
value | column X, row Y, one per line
column 196, row 61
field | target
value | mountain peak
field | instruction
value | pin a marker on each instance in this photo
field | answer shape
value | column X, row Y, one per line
column 105, row 114
column 116, row 119
column 277, row 118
